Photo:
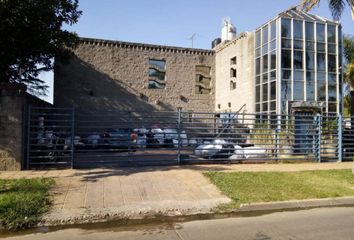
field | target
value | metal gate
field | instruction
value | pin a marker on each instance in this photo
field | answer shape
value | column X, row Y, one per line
column 89, row 138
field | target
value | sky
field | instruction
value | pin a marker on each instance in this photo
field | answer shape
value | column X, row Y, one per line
column 168, row 22
column 173, row 22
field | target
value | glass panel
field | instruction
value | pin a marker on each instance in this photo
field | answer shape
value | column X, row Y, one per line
column 265, row 49
column 155, row 85
column 265, row 63
column 273, row 45
column 273, row 60
column 298, row 29
column 286, row 58
column 332, row 92
column 321, row 76
column 285, row 43
column 258, row 52
column 265, row 107
column 285, row 28
column 320, row 32
column 264, row 34
column 298, row 61
column 331, row 33
column 258, row 78
column 258, row 38
column 332, row 78
column 321, row 62
column 332, row 48
column 273, row 30
column 286, row 75
column 298, row 90
column 258, row 66
column 258, row 93
column 310, row 86
column 258, row 107
column 156, row 74
column 286, row 90
column 265, row 92
column 310, row 60
column 310, row 46
column 321, row 47
column 273, row 92
column 273, row 106
column 298, row 44
column 321, row 90
column 159, row 64
column 309, row 31
column 331, row 63
column 273, row 75
column 265, row 78
column 332, row 107
column 298, row 75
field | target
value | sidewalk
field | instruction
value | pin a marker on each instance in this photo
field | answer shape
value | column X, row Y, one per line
column 136, row 193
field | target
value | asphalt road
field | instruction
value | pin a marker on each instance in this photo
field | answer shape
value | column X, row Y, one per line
column 321, row 223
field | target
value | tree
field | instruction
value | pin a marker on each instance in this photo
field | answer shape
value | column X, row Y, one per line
column 32, row 36
column 336, row 6
column 348, row 47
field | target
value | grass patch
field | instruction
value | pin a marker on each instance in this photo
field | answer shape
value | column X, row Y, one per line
column 249, row 187
column 22, row 201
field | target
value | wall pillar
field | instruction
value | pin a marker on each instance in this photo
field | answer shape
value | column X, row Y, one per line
column 12, row 103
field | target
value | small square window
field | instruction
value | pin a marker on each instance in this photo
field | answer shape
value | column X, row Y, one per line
column 233, row 61
column 157, row 71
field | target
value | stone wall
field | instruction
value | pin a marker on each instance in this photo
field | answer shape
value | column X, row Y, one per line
column 12, row 102
column 114, row 75
column 226, row 98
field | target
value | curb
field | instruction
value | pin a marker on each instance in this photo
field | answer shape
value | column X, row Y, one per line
column 245, row 210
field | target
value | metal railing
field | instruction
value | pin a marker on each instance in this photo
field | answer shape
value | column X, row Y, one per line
column 78, row 138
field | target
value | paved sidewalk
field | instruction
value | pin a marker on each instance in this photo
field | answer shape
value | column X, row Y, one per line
column 135, row 193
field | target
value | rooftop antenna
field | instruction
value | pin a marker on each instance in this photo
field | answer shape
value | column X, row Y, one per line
column 192, row 39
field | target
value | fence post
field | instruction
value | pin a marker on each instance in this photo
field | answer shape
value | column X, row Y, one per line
column 28, row 149
column 179, row 121
column 72, row 136
column 318, row 121
column 130, row 118
column 340, row 137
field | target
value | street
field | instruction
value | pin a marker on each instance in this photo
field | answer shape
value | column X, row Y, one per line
column 321, row 223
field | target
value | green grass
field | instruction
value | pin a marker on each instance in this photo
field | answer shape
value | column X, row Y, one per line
column 250, row 187
column 22, row 201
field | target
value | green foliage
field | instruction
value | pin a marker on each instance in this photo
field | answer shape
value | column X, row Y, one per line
column 249, row 187
column 348, row 48
column 336, row 6
column 31, row 36
column 22, row 201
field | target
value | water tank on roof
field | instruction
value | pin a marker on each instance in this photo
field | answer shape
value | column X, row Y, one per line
column 228, row 31
column 215, row 42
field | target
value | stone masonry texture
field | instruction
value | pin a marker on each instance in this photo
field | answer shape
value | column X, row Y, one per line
column 106, row 75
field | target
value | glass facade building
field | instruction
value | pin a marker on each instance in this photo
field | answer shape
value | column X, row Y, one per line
column 298, row 58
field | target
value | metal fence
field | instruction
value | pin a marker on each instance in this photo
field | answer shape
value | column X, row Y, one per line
column 77, row 138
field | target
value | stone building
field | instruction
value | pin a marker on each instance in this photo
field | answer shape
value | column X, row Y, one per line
column 107, row 74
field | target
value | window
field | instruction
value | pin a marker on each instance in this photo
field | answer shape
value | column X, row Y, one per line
column 265, row 63
column 298, row 44
column 286, row 43
column 298, row 61
column 320, row 32
column 258, row 38
column 203, row 80
column 273, row 30
column 157, row 74
column 258, row 66
column 298, row 90
column 310, row 86
column 286, row 58
column 232, row 85
column 272, row 90
column 233, row 61
column 286, row 90
column 310, row 60
column 309, row 31
column 331, row 33
column 286, row 28
column 273, row 60
column 321, row 62
column 264, row 34
column 331, row 63
column 321, row 90
column 265, row 91
column 233, row 73
column 298, row 29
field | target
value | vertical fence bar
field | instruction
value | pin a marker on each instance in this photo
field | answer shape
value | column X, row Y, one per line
column 130, row 135
column 277, row 131
column 318, row 120
column 28, row 137
column 340, row 137
column 179, row 121
column 72, row 136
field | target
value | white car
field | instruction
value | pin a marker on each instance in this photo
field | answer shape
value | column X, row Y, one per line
column 218, row 148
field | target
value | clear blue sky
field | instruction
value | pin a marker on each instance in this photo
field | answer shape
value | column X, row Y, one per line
column 172, row 22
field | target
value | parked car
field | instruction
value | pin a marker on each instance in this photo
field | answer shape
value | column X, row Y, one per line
column 218, row 148
column 122, row 138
